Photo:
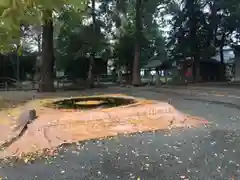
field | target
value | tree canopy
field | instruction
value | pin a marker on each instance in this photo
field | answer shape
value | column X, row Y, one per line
column 126, row 31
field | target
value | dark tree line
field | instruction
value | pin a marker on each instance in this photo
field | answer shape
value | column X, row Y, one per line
column 199, row 29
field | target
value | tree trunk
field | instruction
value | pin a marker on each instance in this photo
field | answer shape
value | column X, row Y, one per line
column 222, row 71
column 237, row 65
column 157, row 76
column 190, row 6
column 196, row 69
column 129, row 73
column 136, row 79
column 47, row 57
column 119, row 76
column 39, row 43
column 213, row 24
column 90, row 80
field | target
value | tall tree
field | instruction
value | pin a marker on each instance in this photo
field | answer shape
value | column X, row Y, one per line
column 47, row 57
column 75, row 42
column 139, row 13
column 192, row 10
column 92, row 59
column 15, row 12
column 136, row 80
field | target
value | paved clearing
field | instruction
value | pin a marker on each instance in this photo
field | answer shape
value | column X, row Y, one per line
column 205, row 153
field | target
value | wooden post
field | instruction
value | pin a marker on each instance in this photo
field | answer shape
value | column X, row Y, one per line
column 6, row 86
column 158, row 82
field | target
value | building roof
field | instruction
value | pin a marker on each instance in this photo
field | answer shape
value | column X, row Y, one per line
column 153, row 64
column 228, row 55
column 158, row 62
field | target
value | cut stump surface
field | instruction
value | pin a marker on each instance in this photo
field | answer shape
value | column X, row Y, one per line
column 55, row 127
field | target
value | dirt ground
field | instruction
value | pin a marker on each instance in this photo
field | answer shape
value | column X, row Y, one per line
column 55, row 127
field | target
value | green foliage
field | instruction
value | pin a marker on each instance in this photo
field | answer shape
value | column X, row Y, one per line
column 14, row 13
column 195, row 31
column 76, row 42
column 151, row 42
column 9, row 64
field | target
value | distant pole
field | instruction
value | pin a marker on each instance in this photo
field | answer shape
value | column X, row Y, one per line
column 18, row 68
